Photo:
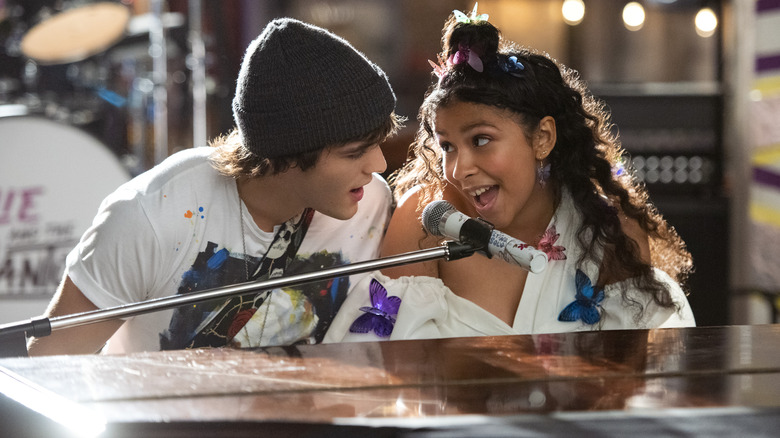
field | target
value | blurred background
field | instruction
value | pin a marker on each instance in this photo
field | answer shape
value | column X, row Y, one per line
column 93, row 93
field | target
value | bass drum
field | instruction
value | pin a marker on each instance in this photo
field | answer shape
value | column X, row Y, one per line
column 52, row 179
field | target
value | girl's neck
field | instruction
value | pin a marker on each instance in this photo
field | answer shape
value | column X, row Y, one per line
column 535, row 217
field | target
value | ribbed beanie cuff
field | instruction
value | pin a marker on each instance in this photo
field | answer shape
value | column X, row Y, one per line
column 302, row 88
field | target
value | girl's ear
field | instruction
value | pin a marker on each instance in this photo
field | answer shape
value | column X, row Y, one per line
column 545, row 137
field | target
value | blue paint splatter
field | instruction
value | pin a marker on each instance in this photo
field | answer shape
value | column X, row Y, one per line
column 218, row 259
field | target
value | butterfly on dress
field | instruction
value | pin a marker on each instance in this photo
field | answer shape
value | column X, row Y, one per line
column 547, row 244
column 587, row 303
column 380, row 317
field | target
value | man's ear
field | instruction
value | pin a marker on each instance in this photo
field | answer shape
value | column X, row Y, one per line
column 544, row 138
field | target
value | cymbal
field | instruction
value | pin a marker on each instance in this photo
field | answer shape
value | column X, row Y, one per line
column 76, row 34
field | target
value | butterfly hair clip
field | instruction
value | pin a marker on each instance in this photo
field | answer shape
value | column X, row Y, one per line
column 439, row 70
column 512, row 66
column 586, row 306
column 380, row 317
column 465, row 54
column 471, row 18
column 619, row 169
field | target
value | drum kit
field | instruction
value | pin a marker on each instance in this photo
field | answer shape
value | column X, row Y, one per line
column 87, row 64
column 77, row 103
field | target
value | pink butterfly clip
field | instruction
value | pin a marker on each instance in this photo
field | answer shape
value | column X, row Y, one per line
column 438, row 69
column 547, row 244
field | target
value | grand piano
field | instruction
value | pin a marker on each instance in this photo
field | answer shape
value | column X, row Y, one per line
column 703, row 382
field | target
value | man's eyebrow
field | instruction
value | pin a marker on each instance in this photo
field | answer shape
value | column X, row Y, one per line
column 357, row 147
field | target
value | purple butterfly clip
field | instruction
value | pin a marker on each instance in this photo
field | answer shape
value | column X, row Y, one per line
column 465, row 54
column 586, row 304
column 380, row 317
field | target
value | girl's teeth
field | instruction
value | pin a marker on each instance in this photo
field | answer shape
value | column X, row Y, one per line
column 480, row 191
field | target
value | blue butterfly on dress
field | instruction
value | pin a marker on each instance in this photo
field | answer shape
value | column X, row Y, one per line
column 587, row 303
column 380, row 317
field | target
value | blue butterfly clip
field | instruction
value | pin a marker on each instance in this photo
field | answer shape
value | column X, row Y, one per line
column 380, row 317
column 512, row 66
column 586, row 304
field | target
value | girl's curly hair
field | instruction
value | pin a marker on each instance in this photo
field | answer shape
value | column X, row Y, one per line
column 587, row 159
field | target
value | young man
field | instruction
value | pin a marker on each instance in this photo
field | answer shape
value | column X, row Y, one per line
column 294, row 188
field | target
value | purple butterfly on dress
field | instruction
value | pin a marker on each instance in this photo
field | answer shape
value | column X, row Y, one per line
column 547, row 244
column 586, row 304
column 380, row 317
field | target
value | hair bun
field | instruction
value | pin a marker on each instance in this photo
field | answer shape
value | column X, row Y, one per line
column 478, row 34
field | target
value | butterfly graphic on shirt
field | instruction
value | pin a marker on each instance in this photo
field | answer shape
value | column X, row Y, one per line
column 547, row 244
column 587, row 303
column 380, row 317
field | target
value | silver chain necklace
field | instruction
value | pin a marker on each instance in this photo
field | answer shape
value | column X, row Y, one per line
column 246, row 263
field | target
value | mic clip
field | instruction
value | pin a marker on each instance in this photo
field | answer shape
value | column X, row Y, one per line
column 476, row 232
column 458, row 250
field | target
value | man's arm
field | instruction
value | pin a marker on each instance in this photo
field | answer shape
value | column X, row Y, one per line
column 85, row 339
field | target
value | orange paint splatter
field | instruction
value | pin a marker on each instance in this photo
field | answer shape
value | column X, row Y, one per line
column 188, row 214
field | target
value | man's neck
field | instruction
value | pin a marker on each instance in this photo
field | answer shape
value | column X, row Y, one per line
column 268, row 201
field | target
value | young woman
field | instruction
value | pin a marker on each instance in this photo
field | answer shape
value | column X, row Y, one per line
column 511, row 136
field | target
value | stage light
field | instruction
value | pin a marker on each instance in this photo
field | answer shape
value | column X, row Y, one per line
column 706, row 22
column 633, row 16
column 573, row 11
column 80, row 421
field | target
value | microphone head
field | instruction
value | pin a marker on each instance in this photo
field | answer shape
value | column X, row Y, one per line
column 432, row 214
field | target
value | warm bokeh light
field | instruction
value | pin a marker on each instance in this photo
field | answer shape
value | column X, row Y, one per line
column 706, row 22
column 633, row 16
column 573, row 11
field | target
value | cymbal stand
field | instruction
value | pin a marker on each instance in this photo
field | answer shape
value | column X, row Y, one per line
column 198, row 65
column 159, row 53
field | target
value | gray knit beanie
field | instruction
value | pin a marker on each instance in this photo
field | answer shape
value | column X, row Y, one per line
column 302, row 88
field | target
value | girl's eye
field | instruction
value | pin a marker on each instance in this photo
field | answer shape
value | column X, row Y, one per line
column 481, row 141
column 445, row 147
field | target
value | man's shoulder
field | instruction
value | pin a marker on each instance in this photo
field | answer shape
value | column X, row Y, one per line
column 378, row 190
column 181, row 179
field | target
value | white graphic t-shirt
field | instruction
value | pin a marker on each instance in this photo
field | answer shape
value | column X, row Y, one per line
column 176, row 229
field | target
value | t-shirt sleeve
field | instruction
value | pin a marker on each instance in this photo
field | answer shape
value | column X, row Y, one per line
column 112, row 263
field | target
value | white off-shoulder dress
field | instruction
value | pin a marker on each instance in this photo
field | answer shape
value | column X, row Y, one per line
column 425, row 308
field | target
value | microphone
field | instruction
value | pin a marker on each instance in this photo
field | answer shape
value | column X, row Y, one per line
column 440, row 218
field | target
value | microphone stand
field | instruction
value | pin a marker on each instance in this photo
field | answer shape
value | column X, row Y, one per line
column 13, row 336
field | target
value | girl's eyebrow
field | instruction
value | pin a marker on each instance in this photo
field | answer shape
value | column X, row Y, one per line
column 470, row 126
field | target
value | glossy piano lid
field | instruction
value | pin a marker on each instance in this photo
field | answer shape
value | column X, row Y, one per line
column 419, row 382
